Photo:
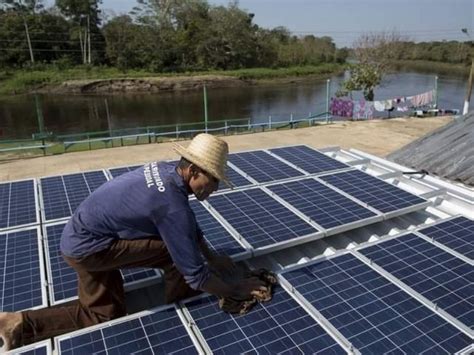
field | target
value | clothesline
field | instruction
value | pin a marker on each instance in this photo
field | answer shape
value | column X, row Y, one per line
column 361, row 109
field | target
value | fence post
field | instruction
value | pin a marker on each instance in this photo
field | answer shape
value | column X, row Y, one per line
column 310, row 120
column 248, row 123
column 89, row 140
column 177, row 134
column 270, row 122
column 328, row 82
column 225, row 129
column 436, row 92
column 291, row 120
column 205, row 108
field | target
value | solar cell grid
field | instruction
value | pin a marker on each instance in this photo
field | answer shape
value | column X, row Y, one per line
column 325, row 206
column 61, row 195
column 235, row 178
column 218, row 238
column 17, row 204
column 372, row 313
column 116, row 172
column 308, row 159
column 262, row 166
column 160, row 332
column 39, row 348
column 279, row 326
column 259, row 218
column 21, row 279
column 457, row 234
column 372, row 191
column 434, row 273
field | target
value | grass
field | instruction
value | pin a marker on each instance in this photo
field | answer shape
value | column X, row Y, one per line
column 426, row 66
column 26, row 80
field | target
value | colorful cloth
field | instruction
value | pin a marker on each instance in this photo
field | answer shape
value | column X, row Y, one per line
column 363, row 109
column 341, row 107
column 383, row 105
column 422, row 99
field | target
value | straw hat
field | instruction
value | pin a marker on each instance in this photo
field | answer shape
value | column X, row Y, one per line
column 209, row 153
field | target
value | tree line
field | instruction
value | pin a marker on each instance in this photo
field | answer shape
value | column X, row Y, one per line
column 158, row 35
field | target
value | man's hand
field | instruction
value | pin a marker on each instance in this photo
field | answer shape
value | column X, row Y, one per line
column 222, row 264
column 252, row 286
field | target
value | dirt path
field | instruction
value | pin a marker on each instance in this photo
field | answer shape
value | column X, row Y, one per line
column 376, row 137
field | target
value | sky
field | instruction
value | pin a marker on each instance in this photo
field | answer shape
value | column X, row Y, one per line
column 346, row 20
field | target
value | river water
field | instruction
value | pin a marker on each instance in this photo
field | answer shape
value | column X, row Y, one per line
column 64, row 114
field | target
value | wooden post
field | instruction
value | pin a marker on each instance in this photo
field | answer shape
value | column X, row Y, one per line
column 469, row 90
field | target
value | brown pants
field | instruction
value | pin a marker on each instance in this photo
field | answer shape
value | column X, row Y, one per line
column 100, row 288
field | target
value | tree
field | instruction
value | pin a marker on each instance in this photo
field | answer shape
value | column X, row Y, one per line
column 374, row 53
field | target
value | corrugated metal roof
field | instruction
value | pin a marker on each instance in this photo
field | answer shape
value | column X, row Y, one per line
column 447, row 152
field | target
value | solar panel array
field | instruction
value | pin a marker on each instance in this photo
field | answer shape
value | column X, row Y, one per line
column 373, row 191
column 279, row 326
column 21, row 277
column 39, row 348
column 259, row 218
column 63, row 279
column 116, row 172
column 434, row 273
column 308, row 159
column 323, row 205
column 263, row 167
column 217, row 237
column 17, row 204
column 457, row 234
column 375, row 315
column 235, row 178
column 61, row 195
column 160, row 332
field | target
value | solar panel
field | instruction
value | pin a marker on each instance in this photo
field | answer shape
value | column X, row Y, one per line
column 235, row 178
column 279, row 326
column 63, row 278
column 116, row 172
column 457, row 234
column 61, row 195
column 21, row 276
column 158, row 331
column 17, row 204
column 308, row 159
column 323, row 205
column 372, row 313
column 39, row 348
column 217, row 237
column 263, row 167
column 436, row 274
column 259, row 218
column 373, row 191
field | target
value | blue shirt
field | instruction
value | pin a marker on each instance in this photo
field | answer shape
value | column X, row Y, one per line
column 151, row 201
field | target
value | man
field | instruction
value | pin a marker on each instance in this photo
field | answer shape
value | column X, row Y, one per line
column 141, row 219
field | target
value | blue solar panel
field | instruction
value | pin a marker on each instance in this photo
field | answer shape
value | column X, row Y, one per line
column 434, row 273
column 374, row 192
column 308, row 159
column 160, row 332
column 262, row 166
column 325, row 206
column 373, row 314
column 235, row 178
column 116, row 172
column 21, row 280
column 63, row 194
column 279, row 326
column 17, row 204
column 40, row 348
column 217, row 237
column 63, row 278
column 259, row 218
column 457, row 234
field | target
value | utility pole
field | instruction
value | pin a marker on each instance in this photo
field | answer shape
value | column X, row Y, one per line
column 89, row 36
column 469, row 90
column 29, row 41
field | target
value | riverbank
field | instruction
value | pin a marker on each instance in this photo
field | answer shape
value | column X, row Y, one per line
column 427, row 66
column 379, row 137
column 111, row 80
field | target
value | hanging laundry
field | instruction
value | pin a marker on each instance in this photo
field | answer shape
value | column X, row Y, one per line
column 363, row 109
column 402, row 108
column 383, row 105
column 422, row 99
column 341, row 107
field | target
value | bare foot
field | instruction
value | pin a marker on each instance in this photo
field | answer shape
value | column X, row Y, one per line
column 10, row 331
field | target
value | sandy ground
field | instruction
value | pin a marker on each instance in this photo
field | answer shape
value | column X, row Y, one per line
column 376, row 137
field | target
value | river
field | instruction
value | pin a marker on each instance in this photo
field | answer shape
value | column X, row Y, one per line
column 64, row 114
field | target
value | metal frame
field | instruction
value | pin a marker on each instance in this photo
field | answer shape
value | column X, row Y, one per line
column 109, row 174
column 44, row 293
column 129, row 286
column 41, row 199
column 396, row 281
column 32, row 347
column 37, row 205
column 195, row 342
